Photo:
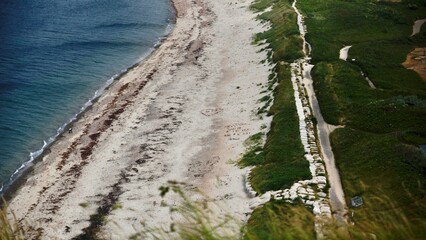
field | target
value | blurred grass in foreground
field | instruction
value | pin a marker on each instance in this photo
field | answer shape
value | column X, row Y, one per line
column 9, row 229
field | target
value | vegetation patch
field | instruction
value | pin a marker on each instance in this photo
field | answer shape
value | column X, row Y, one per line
column 84, row 204
column 281, row 161
column 283, row 154
column 279, row 220
column 346, row 99
column 377, row 152
column 389, row 176
column 254, row 154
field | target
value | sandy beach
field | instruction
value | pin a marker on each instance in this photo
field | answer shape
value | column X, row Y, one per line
column 182, row 114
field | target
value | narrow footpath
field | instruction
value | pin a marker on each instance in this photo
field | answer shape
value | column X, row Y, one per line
column 336, row 194
column 318, row 150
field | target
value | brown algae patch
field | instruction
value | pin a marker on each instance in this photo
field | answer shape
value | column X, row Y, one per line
column 416, row 61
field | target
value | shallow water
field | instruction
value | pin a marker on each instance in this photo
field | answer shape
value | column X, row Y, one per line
column 55, row 54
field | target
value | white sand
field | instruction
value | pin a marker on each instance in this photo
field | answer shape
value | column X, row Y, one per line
column 417, row 26
column 186, row 124
column 343, row 54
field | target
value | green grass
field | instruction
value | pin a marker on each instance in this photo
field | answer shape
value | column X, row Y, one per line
column 116, row 206
column 279, row 220
column 379, row 35
column 281, row 161
column 413, row 137
column 254, row 154
column 377, row 152
column 83, row 204
column 334, row 23
column 283, row 155
column 346, row 99
column 283, row 37
column 381, row 61
column 385, row 172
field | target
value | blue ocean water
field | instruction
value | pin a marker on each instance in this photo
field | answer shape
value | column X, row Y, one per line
column 54, row 56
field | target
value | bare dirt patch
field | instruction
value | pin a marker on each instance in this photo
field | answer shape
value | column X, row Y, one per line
column 416, row 61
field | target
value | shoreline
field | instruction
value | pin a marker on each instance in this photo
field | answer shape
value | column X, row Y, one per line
column 172, row 117
column 21, row 174
column 10, row 189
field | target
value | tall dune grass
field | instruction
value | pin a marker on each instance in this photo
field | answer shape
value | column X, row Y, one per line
column 9, row 228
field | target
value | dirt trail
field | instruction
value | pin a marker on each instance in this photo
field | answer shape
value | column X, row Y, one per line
column 343, row 54
column 417, row 26
column 336, row 194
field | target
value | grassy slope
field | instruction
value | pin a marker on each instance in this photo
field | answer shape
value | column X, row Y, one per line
column 277, row 220
column 384, row 172
column 377, row 152
column 281, row 161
